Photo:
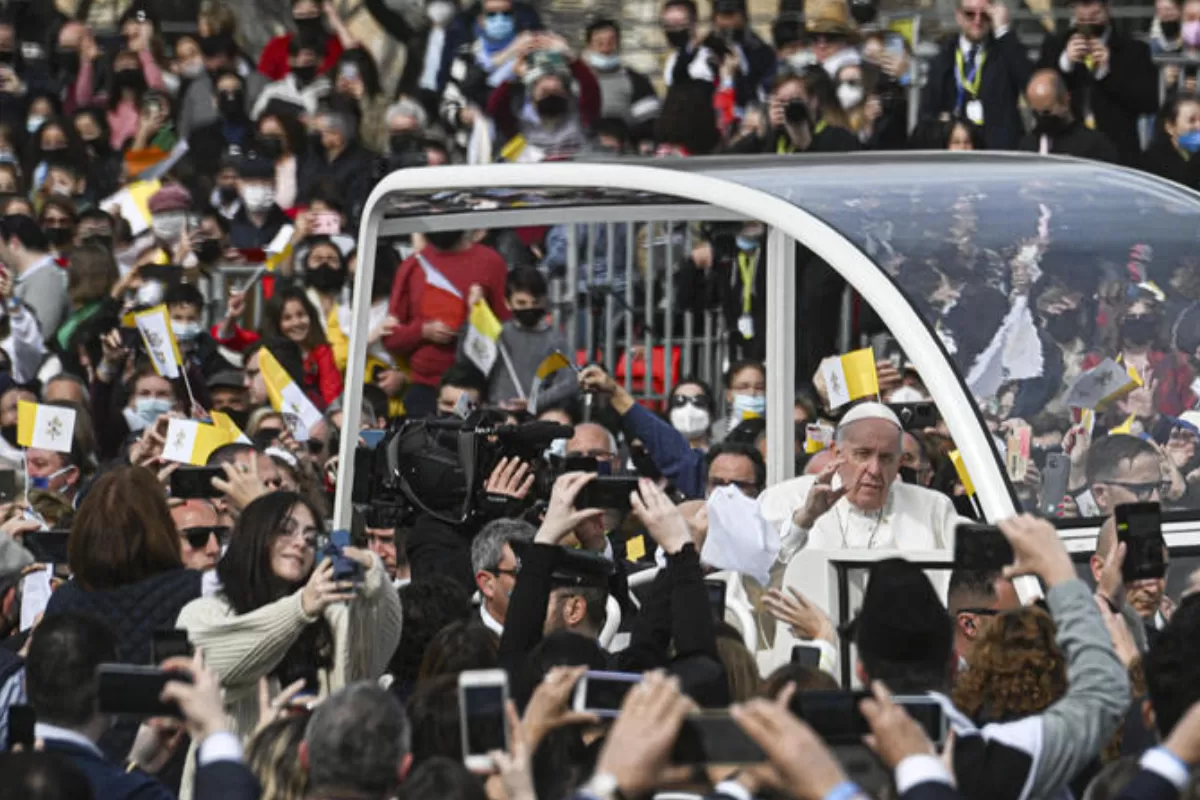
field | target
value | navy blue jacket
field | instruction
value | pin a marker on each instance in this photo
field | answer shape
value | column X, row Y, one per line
column 109, row 780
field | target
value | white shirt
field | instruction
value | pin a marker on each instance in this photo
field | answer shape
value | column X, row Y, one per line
column 489, row 621
column 913, row 518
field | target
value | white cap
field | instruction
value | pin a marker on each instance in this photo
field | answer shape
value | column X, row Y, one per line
column 869, row 410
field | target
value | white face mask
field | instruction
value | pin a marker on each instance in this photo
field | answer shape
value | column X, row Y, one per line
column 689, row 420
column 168, row 227
column 907, row 394
column 150, row 293
column 33, row 123
column 440, row 12
column 603, row 62
column 185, row 332
column 258, row 197
column 748, row 406
column 849, row 95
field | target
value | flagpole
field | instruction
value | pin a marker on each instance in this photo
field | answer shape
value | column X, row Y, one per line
column 188, row 385
column 512, row 372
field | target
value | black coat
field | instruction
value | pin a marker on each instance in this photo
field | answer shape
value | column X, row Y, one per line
column 1128, row 90
column 830, row 139
column 1078, row 141
column 1162, row 159
column 1006, row 71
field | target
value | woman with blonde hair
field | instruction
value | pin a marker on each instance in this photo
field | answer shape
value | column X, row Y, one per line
column 273, row 755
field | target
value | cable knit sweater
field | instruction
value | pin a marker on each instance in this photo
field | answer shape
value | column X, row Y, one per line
column 243, row 648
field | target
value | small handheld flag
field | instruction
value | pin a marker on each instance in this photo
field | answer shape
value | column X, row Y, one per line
column 850, row 376
column 192, row 442
column 481, row 343
column 550, row 364
column 287, row 398
column 155, row 327
column 45, row 427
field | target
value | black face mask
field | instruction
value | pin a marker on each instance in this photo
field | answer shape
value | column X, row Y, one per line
column 324, row 278
column 9, row 432
column 552, row 105
column 529, row 317
column 311, row 28
column 8, row 57
column 1048, row 124
column 129, row 79
column 1063, row 328
column 1138, row 330
column 678, row 38
column 305, row 75
column 57, row 237
column 240, row 417
column 232, row 105
column 270, row 147
column 1171, row 28
column 68, row 62
column 209, row 250
column 99, row 240
column 908, row 475
column 99, row 146
column 227, row 194
column 444, row 240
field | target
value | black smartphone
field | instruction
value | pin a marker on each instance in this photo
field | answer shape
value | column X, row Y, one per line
column 836, row 718
column 981, row 547
column 714, row 738
column 915, row 416
column 344, row 568
column 169, row 644
column 21, row 720
column 195, row 482
column 131, row 338
column 134, row 689
column 1055, row 476
column 48, row 547
column 607, row 492
column 1139, row 525
column 806, row 655
column 716, row 597
column 8, row 485
column 265, row 437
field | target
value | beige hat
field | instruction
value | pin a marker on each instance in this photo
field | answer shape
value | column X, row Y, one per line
column 829, row 16
column 870, row 410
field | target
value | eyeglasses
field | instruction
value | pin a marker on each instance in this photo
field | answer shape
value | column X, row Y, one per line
column 198, row 536
column 512, row 573
column 748, row 488
column 699, row 401
column 309, row 539
column 1143, row 491
column 978, row 16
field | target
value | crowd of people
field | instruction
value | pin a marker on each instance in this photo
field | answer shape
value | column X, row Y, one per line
column 134, row 167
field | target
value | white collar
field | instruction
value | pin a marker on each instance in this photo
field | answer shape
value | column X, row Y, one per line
column 965, row 45
column 489, row 621
column 43, row 730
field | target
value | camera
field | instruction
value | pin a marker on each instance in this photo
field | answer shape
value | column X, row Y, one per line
column 796, row 111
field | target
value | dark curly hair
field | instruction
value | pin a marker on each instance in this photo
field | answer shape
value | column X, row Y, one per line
column 1014, row 669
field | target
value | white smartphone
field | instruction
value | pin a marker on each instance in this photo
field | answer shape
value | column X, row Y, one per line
column 482, row 696
column 602, row 693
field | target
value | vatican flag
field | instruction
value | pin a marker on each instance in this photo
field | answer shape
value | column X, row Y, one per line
column 45, row 427
column 287, row 398
column 192, row 442
column 850, row 377
column 550, row 364
column 481, row 344
column 155, row 326
column 224, row 422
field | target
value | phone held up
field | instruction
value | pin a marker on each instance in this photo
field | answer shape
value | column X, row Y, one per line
column 482, row 697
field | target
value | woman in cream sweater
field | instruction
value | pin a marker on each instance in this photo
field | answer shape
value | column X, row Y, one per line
column 282, row 616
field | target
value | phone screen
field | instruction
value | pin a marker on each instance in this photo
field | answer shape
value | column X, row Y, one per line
column 604, row 692
column 806, row 655
column 135, row 690
column 603, row 492
column 483, row 718
column 981, row 547
column 1139, row 525
column 195, row 482
column 48, row 547
column 716, row 597
column 714, row 738
column 21, row 719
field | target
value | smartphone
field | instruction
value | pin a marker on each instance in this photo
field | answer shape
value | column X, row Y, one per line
column 1139, row 525
column 326, row 223
column 195, row 482
column 8, row 485
column 836, row 718
column 344, row 568
column 607, row 492
column 714, row 738
column 134, row 689
column 1017, row 449
column 166, row 644
column 131, row 338
column 48, row 547
column 1054, row 482
column 602, row 693
column 806, row 655
column 716, row 597
column 915, row 416
column 372, row 437
column 482, row 697
column 21, row 720
column 981, row 547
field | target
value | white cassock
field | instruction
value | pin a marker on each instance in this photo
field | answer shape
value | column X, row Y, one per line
column 913, row 518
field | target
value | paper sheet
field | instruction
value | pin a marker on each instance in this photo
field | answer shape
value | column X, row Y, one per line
column 739, row 539
column 35, row 596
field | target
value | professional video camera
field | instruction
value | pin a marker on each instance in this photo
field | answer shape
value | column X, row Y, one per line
column 439, row 467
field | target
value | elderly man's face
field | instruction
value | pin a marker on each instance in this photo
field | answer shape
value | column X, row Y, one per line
column 871, row 452
column 592, row 441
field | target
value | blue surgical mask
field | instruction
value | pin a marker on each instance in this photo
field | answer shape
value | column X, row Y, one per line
column 186, row 332
column 603, row 62
column 748, row 406
column 498, row 27
column 44, row 483
column 1190, row 141
column 151, row 408
column 747, row 244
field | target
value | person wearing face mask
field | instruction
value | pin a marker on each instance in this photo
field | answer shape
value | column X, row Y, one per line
column 58, row 219
column 314, row 20
column 803, row 116
column 625, row 93
column 1110, row 75
column 38, row 282
column 200, row 351
column 260, row 219
column 64, row 473
column 169, row 208
column 1165, row 34
column 133, row 72
column 545, row 116
column 1176, row 142
column 1056, row 130
column 232, row 128
column 302, row 86
column 756, row 59
column 690, row 411
column 341, row 161
column 325, row 276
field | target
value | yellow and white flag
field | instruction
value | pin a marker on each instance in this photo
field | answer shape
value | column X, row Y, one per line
column 192, row 442
column 963, row 476
column 287, row 398
column 225, row 423
column 45, row 427
column 481, row 344
column 155, row 327
column 850, row 377
column 1102, row 384
column 550, row 364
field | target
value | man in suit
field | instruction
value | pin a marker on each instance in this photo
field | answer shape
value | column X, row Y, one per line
column 61, row 683
column 979, row 75
column 1110, row 75
column 1056, row 129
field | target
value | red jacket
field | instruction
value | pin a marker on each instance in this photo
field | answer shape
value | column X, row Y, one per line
column 322, row 379
column 274, row 59
column 477, row 264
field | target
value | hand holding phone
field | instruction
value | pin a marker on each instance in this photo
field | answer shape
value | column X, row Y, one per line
column 981, row 547
column 483, row 718
column 1139, row 526
column 344, row 567
column 136, row 690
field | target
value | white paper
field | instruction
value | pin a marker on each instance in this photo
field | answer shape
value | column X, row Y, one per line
column 1104, row 380
column 35, row 596
column 739, row 539
column 127, row 208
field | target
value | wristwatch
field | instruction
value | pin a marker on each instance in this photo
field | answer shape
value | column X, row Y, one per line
column 603, row 786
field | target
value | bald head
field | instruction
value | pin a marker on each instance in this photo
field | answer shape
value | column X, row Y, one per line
column 1047, row 93
column 592, row 440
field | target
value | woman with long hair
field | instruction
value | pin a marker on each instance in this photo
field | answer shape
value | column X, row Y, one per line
column 292, row 316
column 282, row 615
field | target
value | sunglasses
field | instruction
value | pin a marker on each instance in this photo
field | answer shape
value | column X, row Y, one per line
column 1143, row 491
column 197, row 537
column 979, row 16
column 699, row 401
